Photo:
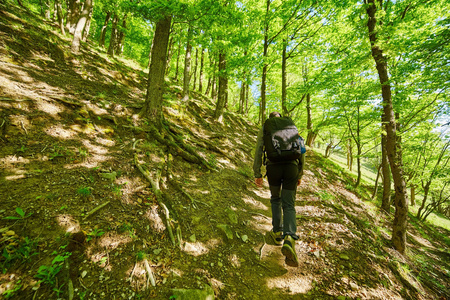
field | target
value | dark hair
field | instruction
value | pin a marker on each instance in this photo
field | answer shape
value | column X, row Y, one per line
column 275, row 114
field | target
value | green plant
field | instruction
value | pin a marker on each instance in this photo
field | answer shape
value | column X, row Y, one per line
column 47, row 274
column 95, row 233
column 22, row 149
column 84, row 191
column 10, row 293
column 21, row 214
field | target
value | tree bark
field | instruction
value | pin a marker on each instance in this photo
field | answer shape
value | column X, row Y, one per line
column 103, row 31
column 386, row 171
column 284, row 109
column 73, row 14
column 200, row 79
column 59, row 15
column 155, row 88
column 195, row 70
column 262, row 108
column 78, row 33
column 121, row 36
column 187, row 66
column 223, row 86
column 395, row 161
column 112, row 40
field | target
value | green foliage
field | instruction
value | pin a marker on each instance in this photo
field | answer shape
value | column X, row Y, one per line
column 95, row 233
column 84, row 191
column 47, row 274
column 19, row 250
column 21, row 214
column 11, row 292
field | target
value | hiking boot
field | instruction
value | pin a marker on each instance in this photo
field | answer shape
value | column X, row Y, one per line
column 288, row 250
column 277, row 237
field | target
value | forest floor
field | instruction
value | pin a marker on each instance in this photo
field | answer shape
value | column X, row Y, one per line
column 78, row 216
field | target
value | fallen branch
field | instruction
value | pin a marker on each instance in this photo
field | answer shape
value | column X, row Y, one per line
column 149, row 273
column 95, row 210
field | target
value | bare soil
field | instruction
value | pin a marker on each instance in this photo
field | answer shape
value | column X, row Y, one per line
column 70, row 189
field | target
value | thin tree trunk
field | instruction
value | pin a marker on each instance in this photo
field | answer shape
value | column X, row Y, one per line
column 195, row 69
column 375, row 189
column 78, row 34
column 187, row 66
column 395, row 161
column 112, row 40
column 200, row 79
column 121, row 36
column 155, row 88
column 223, row 86
column 178, row 60
column 59, row 15
column 284, row 109
column 103, row 31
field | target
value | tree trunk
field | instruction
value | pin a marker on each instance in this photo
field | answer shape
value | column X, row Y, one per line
column 59, row 15
column 386, row 171
column 284, row 109
column 155, row 87
column 73, row 14
column 200, row 79
column 187, row 66
column 195, row 70
column 375, row 189
column 87, row 28
column 223, row 86
column 103, row 31
column 121, row 36
column 112, row 41
column 395, row 161
column 349, row 155
column 78, row 34
column 309, row 125
column 262, row 108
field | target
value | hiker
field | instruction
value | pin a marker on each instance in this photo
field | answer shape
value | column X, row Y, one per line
column 283, row 175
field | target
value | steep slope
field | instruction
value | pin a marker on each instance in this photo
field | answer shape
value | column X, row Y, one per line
column 78, row 207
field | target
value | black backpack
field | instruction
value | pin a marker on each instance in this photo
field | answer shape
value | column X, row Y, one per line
column 281, row 140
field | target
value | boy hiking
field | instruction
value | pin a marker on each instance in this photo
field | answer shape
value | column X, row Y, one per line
column 283, row 150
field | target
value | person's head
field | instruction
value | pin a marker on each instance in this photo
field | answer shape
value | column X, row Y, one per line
column 275, row 114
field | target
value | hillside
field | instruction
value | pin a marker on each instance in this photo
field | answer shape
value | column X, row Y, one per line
column 79, row 215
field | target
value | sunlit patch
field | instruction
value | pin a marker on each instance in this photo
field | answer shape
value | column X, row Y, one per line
column 156, row 223
column 234, row 260
column 254, row 203
column 310, row 211
column 68, row 223
column 105, row 142
column 261, row 223
column 95, row 149
column 112, row 240
column 292, row 282
column 59, row 132
column 195, row 249
column 49, row 108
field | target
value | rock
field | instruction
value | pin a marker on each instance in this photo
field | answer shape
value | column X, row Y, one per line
column 193, row 294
